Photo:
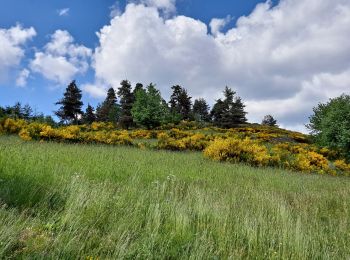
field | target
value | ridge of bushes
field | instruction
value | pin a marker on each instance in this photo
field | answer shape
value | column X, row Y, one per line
column 259, row 146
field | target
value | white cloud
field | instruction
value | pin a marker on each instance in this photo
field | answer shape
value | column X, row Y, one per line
column 22, row 78
column 12, row 51
column 115, row 10
column 63, row 12
column 167, row 6
column 217, row 24
column 95, row 90
column 282, row 60
column 61, row 59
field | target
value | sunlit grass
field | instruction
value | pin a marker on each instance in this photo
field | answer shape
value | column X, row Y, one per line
column 76, row 201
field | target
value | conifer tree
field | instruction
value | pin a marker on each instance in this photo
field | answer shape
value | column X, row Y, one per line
column 229, row 112
column 89, row 115
column 138, row 86
column 201, row 110
column 126, row 103
column 269, row 121
column 180, row 102
column 217, row 112
column 27, row 112
column 109, row 110
column 70, row 110
column 238, row 112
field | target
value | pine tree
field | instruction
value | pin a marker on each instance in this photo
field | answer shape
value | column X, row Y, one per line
column 89, row 115
column 238, row 113
column 2, row 112
column 180, row 102
column 126, row 103
column 138, row 87
column 70, row 110
column 27, row 112
column 109, row 110
column 16, row 110
column 201, row 110
column 217, row 112
column 269, row 121
column 229, row 112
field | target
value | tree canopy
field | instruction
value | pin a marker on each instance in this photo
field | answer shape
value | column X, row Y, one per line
column 180, row 102
column 71, row 104
column 149, row 109
column 269, row 121
column 109, row 110
column 126, row 102
column 330, row 124
column 229, row 112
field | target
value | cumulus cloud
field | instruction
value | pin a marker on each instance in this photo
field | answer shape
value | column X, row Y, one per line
column 61, row 59
column 167, row 6
column 115, row 10
column 282, row 60
column 97, row 90
column 22, row 78
column 217, row 24
column 63, row 12
column 12, row 51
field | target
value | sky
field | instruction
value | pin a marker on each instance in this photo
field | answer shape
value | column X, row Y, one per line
column 282, row 57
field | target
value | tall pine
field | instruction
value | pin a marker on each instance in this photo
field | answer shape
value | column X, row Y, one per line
column 126, row 102
column 229, row 112
column 70, row 110
column 180, row 102
column 109, row 110
column 201, row 110
column 89, row 115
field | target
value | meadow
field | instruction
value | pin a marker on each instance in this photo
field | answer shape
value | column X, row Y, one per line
column 98, row 201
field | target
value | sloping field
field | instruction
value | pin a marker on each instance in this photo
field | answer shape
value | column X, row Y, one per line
column 68, row 201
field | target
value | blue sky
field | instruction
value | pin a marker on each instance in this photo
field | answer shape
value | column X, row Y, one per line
column 83, row 20
column 269, row 52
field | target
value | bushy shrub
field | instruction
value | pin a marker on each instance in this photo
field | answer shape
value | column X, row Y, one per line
column 250, row 145
column 196, row 142
column 235, row 150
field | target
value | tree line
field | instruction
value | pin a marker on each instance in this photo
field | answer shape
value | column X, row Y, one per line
column 145, row 107
column 26, row 112
column 140, row 107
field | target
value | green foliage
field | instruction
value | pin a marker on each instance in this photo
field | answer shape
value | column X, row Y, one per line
column 70, row 110
column 269, row 121
column 126, row 103
column 149, row 109
column 180, row 102
column 138, row 87
column 17, row 111
column 330, row 124
column 201, row 110
column 229, row 112
column 89, row 115
column 109, row 110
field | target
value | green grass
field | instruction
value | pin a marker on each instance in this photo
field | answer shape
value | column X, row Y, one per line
column 66, row 201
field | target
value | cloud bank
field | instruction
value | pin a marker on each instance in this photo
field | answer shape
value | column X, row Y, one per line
column 62, row 59
column 282, row 60
column 12, row 50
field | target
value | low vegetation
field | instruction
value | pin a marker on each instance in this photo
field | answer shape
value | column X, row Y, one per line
column 257, row 146
column 75, row 201
column 110, row 183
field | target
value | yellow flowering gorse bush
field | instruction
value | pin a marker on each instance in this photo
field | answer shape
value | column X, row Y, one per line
column 256, row 146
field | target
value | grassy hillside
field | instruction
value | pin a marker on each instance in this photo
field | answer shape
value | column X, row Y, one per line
column 86, row 201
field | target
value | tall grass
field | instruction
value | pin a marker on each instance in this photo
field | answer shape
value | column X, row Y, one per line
column 91, row 201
